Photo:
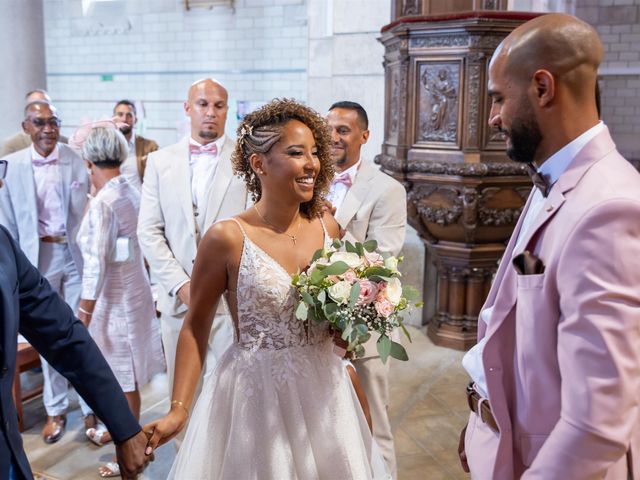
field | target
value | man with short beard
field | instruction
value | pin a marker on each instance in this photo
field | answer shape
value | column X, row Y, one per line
column 187, row 187
column 139, row 147
column 42, row 205
column 370, row 205
column 556, row 371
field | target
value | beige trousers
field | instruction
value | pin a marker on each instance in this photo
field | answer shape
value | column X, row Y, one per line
column 374, row 377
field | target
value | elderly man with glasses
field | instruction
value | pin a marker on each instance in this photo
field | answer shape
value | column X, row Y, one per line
column 41, row 205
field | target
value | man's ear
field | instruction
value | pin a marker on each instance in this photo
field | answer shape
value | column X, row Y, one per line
column 24, row 127
column 545, row 87
column 365, row 136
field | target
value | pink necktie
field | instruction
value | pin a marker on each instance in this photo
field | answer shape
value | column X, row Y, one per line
column 208, row 149
column 343, row 178
column 38, row 162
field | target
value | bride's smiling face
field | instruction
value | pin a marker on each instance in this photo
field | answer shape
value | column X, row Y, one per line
column 292, row 164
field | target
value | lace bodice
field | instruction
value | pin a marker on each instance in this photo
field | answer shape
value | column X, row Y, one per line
column 266, row 303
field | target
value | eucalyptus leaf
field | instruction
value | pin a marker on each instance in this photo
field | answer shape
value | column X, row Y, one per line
column 398, row 352
column 307, row 298
column 330, row 310
column 379, row 271
column 354, row 294
column 346, row 332
column 364, row 338
column 322, row 297
column 384, row 347
column 360, row 249
column 336, row 244
column 302, row 311
column 362, row 329
column 317, row 255
column 370, row 245
column 350, row 247
column 317, row 276
column 359, row 351
column 410, row 293
column 337, row 268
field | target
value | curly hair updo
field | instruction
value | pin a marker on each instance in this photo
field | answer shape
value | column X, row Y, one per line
column 260, row 130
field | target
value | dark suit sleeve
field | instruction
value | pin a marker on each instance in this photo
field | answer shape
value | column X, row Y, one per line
column 48, row 323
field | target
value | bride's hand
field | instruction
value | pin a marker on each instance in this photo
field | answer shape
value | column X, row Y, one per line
column 164, row 429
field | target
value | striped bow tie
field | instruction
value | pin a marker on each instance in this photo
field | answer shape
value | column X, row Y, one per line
column 343, row 178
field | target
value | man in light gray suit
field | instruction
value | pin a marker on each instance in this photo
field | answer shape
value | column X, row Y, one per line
column 187, row 187
column 22, row 139
column 370, row 205
column 42, row 205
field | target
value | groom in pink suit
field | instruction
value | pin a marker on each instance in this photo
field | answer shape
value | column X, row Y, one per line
column 556, row 371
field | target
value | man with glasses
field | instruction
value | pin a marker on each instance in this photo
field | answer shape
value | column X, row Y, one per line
column 21, row 139
column 41, row 204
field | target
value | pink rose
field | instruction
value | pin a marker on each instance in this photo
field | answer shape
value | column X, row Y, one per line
column 383, row 307
column 368, row 292
column 374, row 259
column 350, row 276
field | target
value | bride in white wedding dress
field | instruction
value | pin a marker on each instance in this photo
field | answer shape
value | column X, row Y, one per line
column 279, row 404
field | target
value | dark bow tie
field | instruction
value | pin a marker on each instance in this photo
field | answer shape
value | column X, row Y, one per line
column 540, row 181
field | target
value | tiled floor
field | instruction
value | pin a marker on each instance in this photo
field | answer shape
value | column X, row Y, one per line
column 428, row 410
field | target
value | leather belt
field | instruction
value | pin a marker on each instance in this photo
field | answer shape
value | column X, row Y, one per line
column 54, row 239
column 480, row 406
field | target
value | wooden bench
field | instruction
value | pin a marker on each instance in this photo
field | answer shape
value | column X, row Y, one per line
column 26, row 359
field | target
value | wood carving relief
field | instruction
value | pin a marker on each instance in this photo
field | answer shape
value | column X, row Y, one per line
column 438, row 102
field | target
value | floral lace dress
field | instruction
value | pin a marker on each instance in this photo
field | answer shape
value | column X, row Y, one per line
column 279, row 404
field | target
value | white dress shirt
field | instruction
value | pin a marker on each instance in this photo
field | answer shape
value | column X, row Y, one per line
column 338, row 191
column 129, row 168
column 552, row 169
column 51, row 221
column 203, row 168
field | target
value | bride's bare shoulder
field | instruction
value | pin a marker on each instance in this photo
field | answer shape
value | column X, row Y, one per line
column 331, row 224
column 223, row 237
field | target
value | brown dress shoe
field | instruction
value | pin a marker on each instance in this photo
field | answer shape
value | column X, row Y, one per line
column 54, row 428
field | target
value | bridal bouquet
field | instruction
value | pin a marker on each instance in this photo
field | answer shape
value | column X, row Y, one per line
column 358, row 291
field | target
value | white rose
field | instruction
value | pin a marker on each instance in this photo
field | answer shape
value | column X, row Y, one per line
column 340, row 291
column 393, row 292
column 392, row 264
column 351, row 259
column 321, row 261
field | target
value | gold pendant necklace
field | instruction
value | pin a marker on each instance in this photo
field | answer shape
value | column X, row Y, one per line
column 292, row 237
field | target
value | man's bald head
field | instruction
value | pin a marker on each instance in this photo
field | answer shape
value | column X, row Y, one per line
column 565, row 46
column 207, row 107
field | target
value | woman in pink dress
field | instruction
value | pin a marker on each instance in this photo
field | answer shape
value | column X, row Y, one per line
column 116, row 300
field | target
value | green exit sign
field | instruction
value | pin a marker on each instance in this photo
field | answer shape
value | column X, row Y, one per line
column 106, row 78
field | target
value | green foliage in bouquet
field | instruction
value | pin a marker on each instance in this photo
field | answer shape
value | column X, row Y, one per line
column 357, row 290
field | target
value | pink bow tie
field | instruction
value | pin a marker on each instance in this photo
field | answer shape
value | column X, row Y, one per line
column 38, row 162
column 343, row 178
column 208, row 149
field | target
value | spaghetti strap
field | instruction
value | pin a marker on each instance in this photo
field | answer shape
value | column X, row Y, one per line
column 327, row 238
column 237, row 222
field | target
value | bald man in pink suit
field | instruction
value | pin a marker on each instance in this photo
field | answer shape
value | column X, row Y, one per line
column 556, row 371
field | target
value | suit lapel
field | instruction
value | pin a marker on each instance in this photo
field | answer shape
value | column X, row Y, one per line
column 220, row 184
column 180, row 177
column 503, row 292
column 355, row 195
column 66, row 168
column 28, row 194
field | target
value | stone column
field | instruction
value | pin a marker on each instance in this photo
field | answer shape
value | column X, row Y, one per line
column 22, row 58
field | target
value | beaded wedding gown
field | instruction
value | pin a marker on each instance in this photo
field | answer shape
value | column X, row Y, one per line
column 279, row 404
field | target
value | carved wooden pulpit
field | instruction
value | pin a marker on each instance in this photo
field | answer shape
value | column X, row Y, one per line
column 464, row 194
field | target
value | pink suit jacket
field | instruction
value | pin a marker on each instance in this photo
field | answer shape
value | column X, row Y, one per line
column 562, row 357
